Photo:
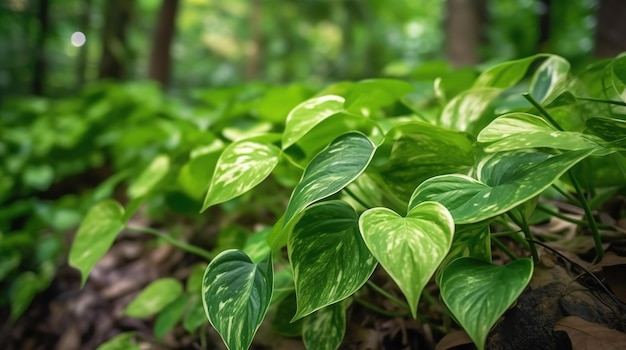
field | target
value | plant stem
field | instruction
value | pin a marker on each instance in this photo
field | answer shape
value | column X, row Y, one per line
column 381, row 311
column 611, row 102
column 547, row 210
column 504, row 248
column 592, row 222
column 387, row 295
column 542, row 110
column 356, row 198
column 529, row 236
column 566, row 194
column 176, row 243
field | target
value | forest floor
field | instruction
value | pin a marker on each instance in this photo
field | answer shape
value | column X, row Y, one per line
column 570, row 302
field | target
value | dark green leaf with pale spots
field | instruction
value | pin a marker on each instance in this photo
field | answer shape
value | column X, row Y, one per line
column 549, row 79
column 331, row 170
column 95, row 236
column 522, row 130
column 242, row 166
column 612, row 130
column 469, row 240
column 420, row 151
column 409, row 248
column 236, row 294
column 329, row 259
column 478, row 293
column 307, row 115
column 506, row 179
column 325, row 328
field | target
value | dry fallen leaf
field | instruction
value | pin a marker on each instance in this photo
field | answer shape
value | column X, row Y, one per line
column 590, row 336
column 452, row 340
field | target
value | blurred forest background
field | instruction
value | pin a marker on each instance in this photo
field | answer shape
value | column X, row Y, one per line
column 55, row 47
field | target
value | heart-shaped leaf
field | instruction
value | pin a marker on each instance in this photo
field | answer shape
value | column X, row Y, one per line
column 375, row 93
column 329, row 259
column 236, row 294
column 522, row 130
column 506, row 179
column 331, row 170
column 95, row 236
column 478, row 293
column 242, row 166
column 170, row 316
column 465, row 112
column 150, row 177
column 409, row 248
column 324, row 329
column 308, row 114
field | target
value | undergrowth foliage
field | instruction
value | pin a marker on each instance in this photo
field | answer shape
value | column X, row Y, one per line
column 381, row 172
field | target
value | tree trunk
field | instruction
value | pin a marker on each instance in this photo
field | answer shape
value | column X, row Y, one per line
column 40, row 64
column 545, row 25
column 252, row 71
column 161, row 58
column 115, row 50
column 610, row 38
column 464, row 25
column 81, row 66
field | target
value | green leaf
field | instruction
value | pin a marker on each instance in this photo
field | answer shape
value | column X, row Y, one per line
column 329, row 259
column 256, row 246
column 154, row 298
column 420, row 151
column 124, row 341
column 325, row 328
column 478, row 293
column 195, row 315
column 308, row 114
column 21, row 293
column 331, row 170
column 195, row 176
column 507, row 74
column 375, row 93
column 465, row 112
column 469, row 240
column 619, row 76
column 150, row 177
column 506, row 179
column 522, row 130
column 95, row 236
column 409, row 248
column 549, row 79
column 612, row 130
column 170, row 316
column 285, row 310
column 236, row 294
column 242, row 166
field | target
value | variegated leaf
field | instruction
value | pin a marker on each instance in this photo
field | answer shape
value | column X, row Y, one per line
column 522, row 130
column 506, row 179
column 331, row 170
column 466, row 111
column 96, row 235
column 478, row 293
column 325, row 328
column 307, row 114
column 242, row 166
column 612, row 130
column 236, row 294
column 329, row 259
column 549, row 79
column 409, row 248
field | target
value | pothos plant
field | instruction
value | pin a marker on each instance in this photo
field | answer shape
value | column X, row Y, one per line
column 382, row 184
